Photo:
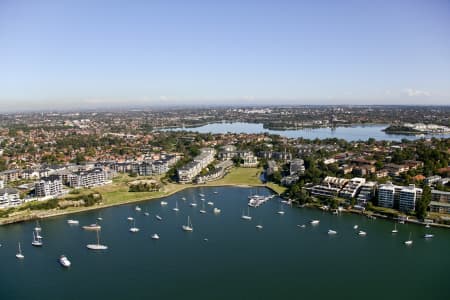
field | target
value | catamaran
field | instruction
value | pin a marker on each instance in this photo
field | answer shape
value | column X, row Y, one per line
column 246, row 216
column 19, row 254
column 97, row 246
column 188, row 226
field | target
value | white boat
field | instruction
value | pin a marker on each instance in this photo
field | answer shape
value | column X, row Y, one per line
column 73, row 222
column 409, row 241
column 201, row 195
column 301, row 226
column 330, row 231
column 188, row 226
column 19, row 254
column 216, row 210
column 355, row 227
column 100, row 219
column 176, row 207
column 37, row 240
column 134, row 229
column 281, row 211
column 163, row 203
column 38, row 227
column 97, row 246
column 362, row 233
column 158, row 217
column 246, row 216
column 92, row 227
column 314, row 222
column 183, row 198
column 203, row 211
column 259, row 226
column 210, row 203
column 64, row 261
column 155, row 236
column 202, row 199
column 215, row 192
column 193, row 204
column 137, row 208
column 130, row 218
column 428, row 236
column 427, row 225
column 147, row 213
column 395, row 229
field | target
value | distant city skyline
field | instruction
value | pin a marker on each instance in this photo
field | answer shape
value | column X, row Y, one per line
column 93, row 54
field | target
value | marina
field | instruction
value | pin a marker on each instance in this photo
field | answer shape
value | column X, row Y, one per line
column 308, row 251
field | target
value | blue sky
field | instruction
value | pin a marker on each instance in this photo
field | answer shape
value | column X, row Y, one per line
column 68, row 54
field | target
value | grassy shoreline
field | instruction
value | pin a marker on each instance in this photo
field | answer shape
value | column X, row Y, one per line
column 117, row 194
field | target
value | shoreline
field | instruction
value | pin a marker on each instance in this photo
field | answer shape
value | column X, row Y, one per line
column 56, row 213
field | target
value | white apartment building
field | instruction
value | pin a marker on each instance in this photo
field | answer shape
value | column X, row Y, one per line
column 386, row 195
column 408, row 197
column 48, row 186
column 9, row 197
column 188, row 172
column 91, row 178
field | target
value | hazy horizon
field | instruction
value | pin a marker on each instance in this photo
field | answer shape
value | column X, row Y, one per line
column 83, row 54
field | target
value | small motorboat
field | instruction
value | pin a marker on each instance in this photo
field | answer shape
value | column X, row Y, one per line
column 155, row 236
column 362, row 233
column 216, row 210
column 331, row 232
column 428, row 236
column 314, row 222
column 64, row 261
column 158, row 217
column 73, row 222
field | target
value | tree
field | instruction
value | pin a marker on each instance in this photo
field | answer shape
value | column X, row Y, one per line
column 423, row 202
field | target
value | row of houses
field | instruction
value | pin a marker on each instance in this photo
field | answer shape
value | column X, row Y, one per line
column 187, row 173
column 249, row 160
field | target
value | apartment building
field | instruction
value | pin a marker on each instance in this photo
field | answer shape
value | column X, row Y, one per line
column 9, row 197
column 188, row 172
column 90, row 178
column 49, row 186
column 408, row 197
column 440, row 202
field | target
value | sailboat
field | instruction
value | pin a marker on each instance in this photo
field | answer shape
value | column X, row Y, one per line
column 409, row 241
column 281, row 211
column 246, row 216
column 176, row 207
column 259, row 226
column 163, row 203
column 158, row 217
column 38, row 227
column 19, row 254
column 203, row 211
column 134, row 229
column 97, row 246
column 37, row 240
column 155, row 236
column 193, row 203
column 188, row 226
column 137, row 208
column 395, row 229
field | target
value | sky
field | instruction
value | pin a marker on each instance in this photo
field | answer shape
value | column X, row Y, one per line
column 94, row 53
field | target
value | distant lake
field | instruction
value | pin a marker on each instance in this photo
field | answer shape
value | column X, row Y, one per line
column 351, row 133
column 238, row 261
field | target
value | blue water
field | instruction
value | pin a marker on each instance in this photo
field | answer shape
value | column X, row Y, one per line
column 281, row 261
column 353, row 133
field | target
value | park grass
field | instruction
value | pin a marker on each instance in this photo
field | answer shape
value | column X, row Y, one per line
column 118, row 193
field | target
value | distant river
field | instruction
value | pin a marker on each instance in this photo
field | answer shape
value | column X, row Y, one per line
column 238, row 261
column 352, row 133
